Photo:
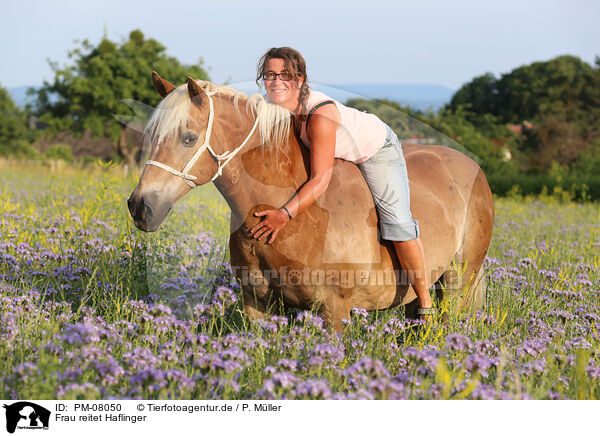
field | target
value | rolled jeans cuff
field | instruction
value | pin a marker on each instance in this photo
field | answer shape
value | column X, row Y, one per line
column 400, row 232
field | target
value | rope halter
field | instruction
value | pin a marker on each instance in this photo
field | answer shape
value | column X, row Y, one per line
column 222, row 159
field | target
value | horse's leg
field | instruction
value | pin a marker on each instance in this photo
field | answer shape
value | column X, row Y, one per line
column 253, row 307
column 335, row 306
column 475, row 298
column 242, row 262
column 463, row 281
column 449, row 288
column 257, row 298
column 478, row 232
column 410, row 309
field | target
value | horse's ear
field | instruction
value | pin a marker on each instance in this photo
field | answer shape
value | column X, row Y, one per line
column 161, row 85
column 195, row 91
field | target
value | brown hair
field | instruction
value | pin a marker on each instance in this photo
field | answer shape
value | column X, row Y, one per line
column 295, row 64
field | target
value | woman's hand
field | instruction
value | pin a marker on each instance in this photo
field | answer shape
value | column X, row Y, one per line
column 274, row 220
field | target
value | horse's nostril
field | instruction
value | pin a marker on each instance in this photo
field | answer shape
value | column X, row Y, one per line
column 134, row 207
column 147, row 213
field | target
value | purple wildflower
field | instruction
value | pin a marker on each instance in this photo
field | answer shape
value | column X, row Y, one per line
column 458, row 343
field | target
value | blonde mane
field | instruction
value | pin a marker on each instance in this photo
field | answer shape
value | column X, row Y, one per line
column 173, row 112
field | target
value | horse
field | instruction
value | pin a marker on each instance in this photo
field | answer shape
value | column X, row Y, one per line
column 330, row 257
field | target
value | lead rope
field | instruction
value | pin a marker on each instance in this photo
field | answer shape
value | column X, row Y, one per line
column 225, row 156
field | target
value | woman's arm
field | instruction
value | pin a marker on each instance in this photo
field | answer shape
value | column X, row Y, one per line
column 321, row 133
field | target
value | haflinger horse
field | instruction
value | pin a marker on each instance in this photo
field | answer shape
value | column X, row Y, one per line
column 330, row 257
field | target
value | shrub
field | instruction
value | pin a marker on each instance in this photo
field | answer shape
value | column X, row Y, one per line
column 59, row 152
column 567, row 186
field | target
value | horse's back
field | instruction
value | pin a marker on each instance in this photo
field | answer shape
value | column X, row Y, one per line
column 441, row 180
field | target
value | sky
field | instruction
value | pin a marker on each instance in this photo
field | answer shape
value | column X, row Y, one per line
column 437, row 42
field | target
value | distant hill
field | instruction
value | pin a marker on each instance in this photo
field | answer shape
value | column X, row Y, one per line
column 19, row 95
column 419, row 97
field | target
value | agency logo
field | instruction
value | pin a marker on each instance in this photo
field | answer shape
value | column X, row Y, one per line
column 26, row 415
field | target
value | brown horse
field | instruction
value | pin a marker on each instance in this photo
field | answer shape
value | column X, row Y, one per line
column 330, row 257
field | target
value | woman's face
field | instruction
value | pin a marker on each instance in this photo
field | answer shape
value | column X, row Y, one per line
column 284, row 93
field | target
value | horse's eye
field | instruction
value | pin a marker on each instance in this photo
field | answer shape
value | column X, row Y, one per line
column 189, row 139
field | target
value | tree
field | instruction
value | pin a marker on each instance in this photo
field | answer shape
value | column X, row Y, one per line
column 480, row 95
column 560, row 97
column 487, row 139
column 450, row 128
column 85, row 95
column 528, row 91
column 15, row 137
column 398, row 117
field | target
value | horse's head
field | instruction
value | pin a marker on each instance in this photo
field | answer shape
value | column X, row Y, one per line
column 178, row 133
column 191, row 146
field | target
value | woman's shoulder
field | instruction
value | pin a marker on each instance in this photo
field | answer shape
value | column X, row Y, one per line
column 316, row 97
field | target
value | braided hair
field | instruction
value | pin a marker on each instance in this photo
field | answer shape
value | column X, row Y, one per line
column 295, row 64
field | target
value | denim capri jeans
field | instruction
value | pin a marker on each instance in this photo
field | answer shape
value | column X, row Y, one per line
column 386, row 175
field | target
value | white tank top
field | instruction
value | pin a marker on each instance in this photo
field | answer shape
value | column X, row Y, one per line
column 360, row 134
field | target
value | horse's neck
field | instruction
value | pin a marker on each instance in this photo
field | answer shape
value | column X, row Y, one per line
column 267, row 175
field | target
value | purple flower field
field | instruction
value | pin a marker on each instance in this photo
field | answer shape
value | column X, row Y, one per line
column 94, row 309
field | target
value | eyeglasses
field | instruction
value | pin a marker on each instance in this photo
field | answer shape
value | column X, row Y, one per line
column 285, row 76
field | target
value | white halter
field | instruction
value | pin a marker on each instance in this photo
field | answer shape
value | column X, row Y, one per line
column 226, row 156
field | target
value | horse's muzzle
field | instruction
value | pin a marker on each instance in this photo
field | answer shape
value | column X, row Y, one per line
column 146, row 211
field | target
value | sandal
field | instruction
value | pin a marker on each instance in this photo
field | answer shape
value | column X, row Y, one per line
column 426, row 313
column 416, row 326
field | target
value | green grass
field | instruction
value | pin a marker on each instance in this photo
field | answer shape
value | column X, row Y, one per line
column 79, row 261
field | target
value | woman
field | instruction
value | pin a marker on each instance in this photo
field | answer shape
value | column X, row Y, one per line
column 332, row 130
